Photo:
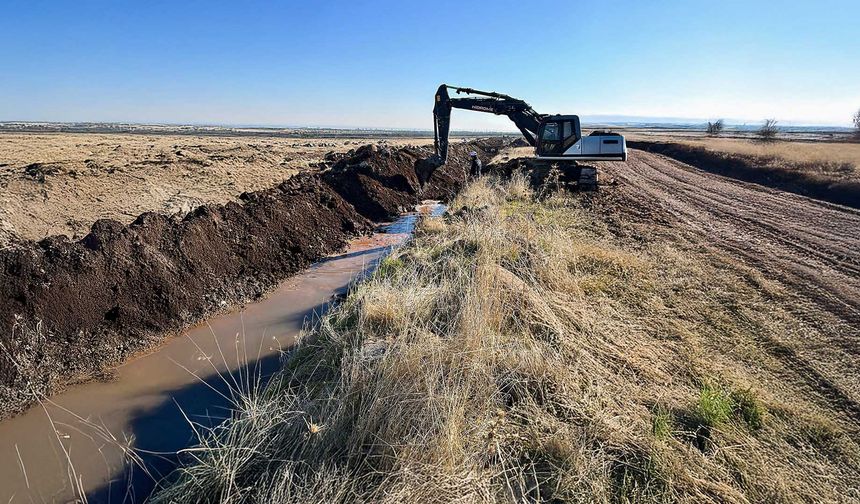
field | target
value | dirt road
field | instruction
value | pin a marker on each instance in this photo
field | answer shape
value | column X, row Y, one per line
column 808, row 247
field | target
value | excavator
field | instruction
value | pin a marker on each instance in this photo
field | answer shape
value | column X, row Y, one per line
column 557, row 139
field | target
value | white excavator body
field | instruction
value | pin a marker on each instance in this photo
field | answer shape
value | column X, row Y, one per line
column 559, row 138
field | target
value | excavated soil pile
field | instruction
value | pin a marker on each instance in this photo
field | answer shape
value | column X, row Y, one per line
column 69, row 309
column 374, row 182
column 806, row 180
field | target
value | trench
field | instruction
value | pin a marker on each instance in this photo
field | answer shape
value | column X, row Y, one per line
column 82, row 441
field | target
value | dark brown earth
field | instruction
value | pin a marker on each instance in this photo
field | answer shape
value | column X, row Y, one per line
column 70, row 309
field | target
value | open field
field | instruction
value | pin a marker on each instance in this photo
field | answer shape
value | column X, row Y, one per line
column 629, row 346
column 60, row 183
column 843, row 157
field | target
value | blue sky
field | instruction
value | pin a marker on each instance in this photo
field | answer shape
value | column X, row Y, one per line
column 377, row 64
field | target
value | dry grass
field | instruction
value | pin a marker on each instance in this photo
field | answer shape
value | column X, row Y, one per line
column 520, row 351
column 512, row 153
column 826, row 156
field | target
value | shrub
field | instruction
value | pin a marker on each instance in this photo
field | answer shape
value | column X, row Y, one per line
column 716, row 127
column 768, row 131
column 857, row 123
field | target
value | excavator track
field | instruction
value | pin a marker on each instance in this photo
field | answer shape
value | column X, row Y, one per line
column 587, row 180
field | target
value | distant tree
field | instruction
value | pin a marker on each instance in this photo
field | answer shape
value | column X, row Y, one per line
column 716, row 127
column 857, row 123
column 768, row 131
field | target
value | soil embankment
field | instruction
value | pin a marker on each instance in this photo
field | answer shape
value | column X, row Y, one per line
column 815, row 180
column 62, row 182
column 71, row 308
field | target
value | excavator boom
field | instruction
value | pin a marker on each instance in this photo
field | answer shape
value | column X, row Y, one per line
column 521, row 113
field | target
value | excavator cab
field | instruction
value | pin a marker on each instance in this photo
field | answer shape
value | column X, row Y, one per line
column 560, row 139
column 557, row 134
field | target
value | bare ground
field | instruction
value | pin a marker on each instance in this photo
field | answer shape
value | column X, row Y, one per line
column 60, row 183
column 809, row 247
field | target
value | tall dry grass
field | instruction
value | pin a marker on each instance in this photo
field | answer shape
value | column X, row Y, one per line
column 518, row 351
column 842, row 159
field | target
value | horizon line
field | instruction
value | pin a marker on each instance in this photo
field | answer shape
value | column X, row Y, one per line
column 629, row 121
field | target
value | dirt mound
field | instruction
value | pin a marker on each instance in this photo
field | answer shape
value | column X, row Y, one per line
column 378, row 182
column 381, row 182
column 122, row 288
column 520, row 142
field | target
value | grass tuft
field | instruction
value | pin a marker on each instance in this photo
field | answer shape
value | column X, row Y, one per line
column 714, row 406
column 389, row 266
column 661, row 423
column 749, row 408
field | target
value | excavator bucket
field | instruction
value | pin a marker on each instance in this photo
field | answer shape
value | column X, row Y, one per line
column 442, row 122
column 424, row 168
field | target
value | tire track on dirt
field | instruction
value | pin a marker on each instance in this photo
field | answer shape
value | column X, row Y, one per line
column 838, row 250
column 761, row 225
column 811, row 247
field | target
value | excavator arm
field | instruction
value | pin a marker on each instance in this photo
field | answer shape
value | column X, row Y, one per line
column 521, row 113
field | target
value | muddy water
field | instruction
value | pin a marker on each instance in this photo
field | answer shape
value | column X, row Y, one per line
column 76, row 443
